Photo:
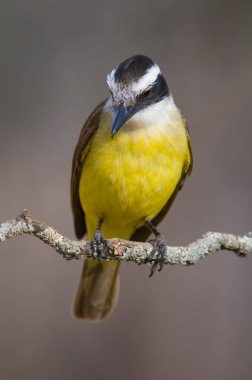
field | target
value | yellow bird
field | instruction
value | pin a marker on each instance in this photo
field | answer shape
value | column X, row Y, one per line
column 131, row 159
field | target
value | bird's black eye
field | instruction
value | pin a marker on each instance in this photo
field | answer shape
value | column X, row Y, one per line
column 146, row 93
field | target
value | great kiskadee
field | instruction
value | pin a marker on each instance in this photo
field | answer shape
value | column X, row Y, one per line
column 131, row 159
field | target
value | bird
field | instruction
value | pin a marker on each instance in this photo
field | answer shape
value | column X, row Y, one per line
column 131, row 159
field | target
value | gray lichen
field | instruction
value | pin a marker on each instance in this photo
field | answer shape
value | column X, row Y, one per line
column 140, row 253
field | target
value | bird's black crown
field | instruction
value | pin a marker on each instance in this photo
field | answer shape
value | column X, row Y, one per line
column 132, row 69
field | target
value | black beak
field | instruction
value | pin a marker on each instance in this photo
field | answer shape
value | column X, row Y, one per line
column 121, row 115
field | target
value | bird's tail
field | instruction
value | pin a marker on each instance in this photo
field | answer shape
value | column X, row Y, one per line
column 98, row 290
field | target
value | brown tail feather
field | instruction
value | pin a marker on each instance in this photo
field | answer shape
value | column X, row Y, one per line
column 98, row 290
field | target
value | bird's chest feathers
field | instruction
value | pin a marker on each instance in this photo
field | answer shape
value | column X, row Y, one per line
column 138, row 169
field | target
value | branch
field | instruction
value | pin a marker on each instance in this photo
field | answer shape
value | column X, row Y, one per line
column 140, row 253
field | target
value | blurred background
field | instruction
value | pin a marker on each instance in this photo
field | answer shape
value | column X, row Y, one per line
column 184, row 323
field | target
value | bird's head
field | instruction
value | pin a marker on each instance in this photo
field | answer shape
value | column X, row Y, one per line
column 135, row 84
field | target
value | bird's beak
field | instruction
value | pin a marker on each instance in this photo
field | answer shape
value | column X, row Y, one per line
column 121, row 115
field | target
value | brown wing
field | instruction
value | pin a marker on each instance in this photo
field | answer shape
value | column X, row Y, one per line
column 142, row 233
column 88, row 130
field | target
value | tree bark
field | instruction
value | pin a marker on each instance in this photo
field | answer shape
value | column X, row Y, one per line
column 140, row 253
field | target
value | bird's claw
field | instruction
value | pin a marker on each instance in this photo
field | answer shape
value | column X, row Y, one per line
column 100, row 246
column 159, row 252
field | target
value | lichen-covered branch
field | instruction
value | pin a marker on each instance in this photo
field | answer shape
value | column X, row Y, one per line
column 123, row 249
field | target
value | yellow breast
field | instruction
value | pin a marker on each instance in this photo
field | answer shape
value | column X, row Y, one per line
column 132, row 176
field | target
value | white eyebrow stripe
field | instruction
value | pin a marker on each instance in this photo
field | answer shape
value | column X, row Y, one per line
column 146, row 80
column 111, row 79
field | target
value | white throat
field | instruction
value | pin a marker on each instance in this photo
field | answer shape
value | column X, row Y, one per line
column 158, row 113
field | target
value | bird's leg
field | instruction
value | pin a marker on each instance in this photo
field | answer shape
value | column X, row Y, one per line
column 99, row 244
column 159, row 248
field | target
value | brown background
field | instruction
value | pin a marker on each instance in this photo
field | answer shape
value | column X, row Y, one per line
column 185, row 323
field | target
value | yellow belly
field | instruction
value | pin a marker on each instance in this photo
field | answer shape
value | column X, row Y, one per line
column 132, row 176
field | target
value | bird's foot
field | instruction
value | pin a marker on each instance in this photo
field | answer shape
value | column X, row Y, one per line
column 100, row 246
column 159, row 251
